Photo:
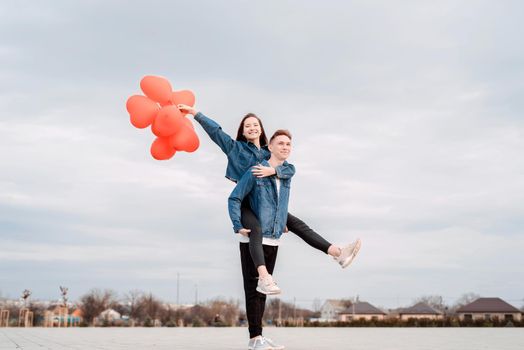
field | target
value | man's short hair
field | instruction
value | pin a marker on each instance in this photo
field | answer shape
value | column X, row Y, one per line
column 280, row 132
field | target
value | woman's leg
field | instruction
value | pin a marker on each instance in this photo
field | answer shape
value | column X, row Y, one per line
column 270, row 254
column 309, row 236
column 250, row 221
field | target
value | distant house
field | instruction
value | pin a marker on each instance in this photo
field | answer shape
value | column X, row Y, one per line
column 361, row 310
column 488, row 309
column 419, row 311
column 61, row 316
column 332, row 308
column 76, row 317
column 109, row 315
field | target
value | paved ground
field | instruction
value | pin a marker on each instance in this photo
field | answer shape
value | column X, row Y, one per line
column 236, row 338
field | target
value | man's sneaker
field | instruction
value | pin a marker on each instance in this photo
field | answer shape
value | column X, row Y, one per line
column 348, row 253
column 268, row 286
column 262, row 343
column 273, row 345
column 251, row 344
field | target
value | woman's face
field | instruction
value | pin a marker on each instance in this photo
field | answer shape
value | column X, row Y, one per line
column 252, row 129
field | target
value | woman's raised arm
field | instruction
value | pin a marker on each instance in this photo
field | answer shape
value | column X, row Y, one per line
column 215, row 132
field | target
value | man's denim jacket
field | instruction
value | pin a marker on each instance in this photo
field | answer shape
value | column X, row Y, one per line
column 269, row 206
column 241, row 155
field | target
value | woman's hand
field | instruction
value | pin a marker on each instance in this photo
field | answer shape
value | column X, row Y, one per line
column 244, row 232
column 187, row 109
column 263, row 171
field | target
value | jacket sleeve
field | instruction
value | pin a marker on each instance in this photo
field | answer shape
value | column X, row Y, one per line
column 285, row 171
column 241, row 190
column 215, row 132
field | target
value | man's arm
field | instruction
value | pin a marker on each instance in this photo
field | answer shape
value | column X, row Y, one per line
column 284, row 171
column 241, row 190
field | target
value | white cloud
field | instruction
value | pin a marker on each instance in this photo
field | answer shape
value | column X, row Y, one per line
column 407, row 132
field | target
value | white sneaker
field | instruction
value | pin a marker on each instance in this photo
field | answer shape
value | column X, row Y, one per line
column 268, row 286
column 348, row 253
column 273, row 345
column 262, row 343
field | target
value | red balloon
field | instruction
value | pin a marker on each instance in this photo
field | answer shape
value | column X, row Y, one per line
column 185, row 140
column 167, row 122
column 142, row 111
column 187, row 122
column 157, row 88
column 161, row 148
column 186, row 97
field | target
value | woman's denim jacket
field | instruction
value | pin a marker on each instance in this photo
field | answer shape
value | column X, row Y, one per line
column 240, row 155
column 269, row 206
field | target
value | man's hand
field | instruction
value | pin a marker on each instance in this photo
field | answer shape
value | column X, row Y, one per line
column 244, row 232
column 263, row 171
column 187, row 109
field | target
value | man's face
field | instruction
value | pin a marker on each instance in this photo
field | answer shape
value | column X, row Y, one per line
column 280, row 147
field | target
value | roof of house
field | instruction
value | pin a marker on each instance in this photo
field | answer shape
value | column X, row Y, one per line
column 363, row 308
column 77, row 313
column 419, row 309
column 337, row 304
column 488, row 305
column 110, row 312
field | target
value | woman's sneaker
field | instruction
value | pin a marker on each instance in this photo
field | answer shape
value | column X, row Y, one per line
column 348, row 253
column 268, row 286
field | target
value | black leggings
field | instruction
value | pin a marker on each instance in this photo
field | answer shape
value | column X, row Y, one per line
column 294, row 224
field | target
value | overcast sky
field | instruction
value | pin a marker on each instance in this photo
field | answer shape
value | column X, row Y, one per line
column 408, row 128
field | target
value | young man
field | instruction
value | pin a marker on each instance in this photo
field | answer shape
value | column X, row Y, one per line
column 268, row 198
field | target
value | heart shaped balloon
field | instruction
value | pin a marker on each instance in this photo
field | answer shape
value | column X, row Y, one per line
column 157, row 88
column 158, row 109
column 142, row 111
column 167, row 122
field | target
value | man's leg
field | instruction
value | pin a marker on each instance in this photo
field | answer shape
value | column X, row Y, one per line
column 255, row 301
column 343, row 255
column 309, row 236
column 253, row 298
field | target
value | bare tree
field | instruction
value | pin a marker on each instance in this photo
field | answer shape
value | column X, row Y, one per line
column 465, row 299
column 435, row 301
column 151, row 309
column 276, row 308
column 317, row 305
column 94, row 302
column 38, row 312
column 223, row 313
column 134, row 303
